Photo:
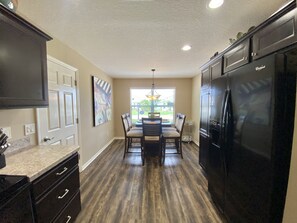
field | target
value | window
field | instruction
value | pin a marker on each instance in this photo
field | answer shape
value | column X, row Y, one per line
column 140, row 105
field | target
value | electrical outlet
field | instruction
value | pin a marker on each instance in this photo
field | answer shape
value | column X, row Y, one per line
column 7, row 131
column 30, row 129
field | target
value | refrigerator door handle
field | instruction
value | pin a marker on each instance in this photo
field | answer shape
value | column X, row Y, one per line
column 222, row 116
column 227, row 93
column 227, row 125
column 224, row 129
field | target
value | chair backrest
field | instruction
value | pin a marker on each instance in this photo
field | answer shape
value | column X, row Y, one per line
column 125, row 123
column 181, row 123
column 154, row 114
column 152, row 126
column 177, row 119
column 128, row 117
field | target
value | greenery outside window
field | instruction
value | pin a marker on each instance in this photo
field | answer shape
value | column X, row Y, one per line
column 140, row 105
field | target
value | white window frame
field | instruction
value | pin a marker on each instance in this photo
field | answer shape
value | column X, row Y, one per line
column 152, row 109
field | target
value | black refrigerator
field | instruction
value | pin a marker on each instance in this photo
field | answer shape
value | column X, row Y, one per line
column 251, row 129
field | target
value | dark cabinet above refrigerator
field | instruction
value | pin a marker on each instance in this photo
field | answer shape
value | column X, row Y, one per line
column 277, row 35
column 237, row 56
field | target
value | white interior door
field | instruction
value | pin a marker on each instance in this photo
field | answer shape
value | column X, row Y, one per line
column 57, row 124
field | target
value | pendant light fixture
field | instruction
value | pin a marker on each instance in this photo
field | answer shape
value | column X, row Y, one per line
column 153, row 95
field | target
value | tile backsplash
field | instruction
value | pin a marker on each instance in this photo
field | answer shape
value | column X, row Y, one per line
column 17, row 145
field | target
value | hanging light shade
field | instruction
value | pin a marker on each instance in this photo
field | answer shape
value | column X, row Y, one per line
column 153, row 95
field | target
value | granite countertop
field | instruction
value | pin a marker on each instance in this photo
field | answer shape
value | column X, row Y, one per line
column 37, row 160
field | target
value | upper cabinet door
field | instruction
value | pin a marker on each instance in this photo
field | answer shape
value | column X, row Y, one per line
column 205, row 78
column 216, row 69
column 279, row 34
column 237, row 56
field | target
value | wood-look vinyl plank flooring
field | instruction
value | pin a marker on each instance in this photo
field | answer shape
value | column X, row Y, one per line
column 114, row 189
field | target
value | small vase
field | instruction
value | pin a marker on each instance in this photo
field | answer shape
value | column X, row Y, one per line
column 10, row 4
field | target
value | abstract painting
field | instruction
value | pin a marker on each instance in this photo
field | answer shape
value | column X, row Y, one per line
column 101, row 101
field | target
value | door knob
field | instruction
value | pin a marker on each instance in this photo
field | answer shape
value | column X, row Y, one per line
column 45, row 139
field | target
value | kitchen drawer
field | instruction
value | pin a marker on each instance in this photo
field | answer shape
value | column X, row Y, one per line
column 71, row 211
column 53, row 202
column 277, row 35
column 46, row 181
column 237, row 56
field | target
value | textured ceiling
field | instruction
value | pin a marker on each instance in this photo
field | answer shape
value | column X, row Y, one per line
column 126, row 38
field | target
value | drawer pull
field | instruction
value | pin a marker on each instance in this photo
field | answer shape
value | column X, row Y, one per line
column 68, row 218
column 64, row 170
column 66, row 192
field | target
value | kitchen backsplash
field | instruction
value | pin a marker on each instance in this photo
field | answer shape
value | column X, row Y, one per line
column 17, row 145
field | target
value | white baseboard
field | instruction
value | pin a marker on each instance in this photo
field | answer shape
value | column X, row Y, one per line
column 84, row 166
column 122, row 137
column 196, row 142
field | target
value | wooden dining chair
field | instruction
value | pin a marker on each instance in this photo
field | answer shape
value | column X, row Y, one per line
column 130, row 124
column 173, row 127
column 130, row 134
column 152, row 136
column 176, row 135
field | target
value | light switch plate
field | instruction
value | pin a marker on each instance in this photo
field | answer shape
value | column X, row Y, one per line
column 7, row 131
column 30, row 129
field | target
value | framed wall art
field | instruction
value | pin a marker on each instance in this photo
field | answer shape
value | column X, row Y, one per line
column 101, row 101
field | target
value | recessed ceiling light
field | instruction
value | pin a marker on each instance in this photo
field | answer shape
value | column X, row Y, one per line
column 213, row 4
column 186, row 47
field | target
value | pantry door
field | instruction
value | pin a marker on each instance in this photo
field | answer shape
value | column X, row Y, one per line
column 57, row 124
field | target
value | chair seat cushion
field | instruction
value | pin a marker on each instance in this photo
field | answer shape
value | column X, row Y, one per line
column 168, row 129
column 136, row 128
column 171, row 134
column 134, row 133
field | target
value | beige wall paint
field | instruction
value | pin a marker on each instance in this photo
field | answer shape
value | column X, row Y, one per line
column 92, row 138
column 16, row 119
column 183, row 96
column 196, row 85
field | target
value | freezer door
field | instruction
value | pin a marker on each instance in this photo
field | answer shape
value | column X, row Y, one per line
column 215, row 165
column 249, row 172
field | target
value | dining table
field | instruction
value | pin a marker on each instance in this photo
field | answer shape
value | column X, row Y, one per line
column 164, row 123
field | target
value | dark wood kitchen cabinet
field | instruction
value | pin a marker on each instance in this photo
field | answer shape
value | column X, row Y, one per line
column 277, row 35
column 204, row 111
column 23, row 65
column 215, row 68
column 237, row 56
column 203, row 150
column 204, row 128
column 205, row 78
column 56, row 194
column 210, row 72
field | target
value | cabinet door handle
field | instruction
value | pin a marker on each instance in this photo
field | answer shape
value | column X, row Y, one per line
column 68, row 218
column 66, row 192
column 64, row 170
